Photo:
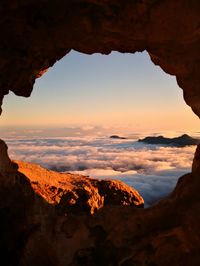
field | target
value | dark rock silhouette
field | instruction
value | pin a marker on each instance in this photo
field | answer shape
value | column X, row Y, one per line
column 41, row 225
column 181, row 141
column 34, row 35
column 116, row 137
column 167, row 30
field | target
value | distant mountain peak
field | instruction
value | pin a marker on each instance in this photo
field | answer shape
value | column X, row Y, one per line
column 181, row 141
column 116, row 137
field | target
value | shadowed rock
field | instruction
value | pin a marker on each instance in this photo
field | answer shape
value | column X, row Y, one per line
column 34, row 35
column 168, row 30
column 181, row 141
column 41, row 225
column 116, row 137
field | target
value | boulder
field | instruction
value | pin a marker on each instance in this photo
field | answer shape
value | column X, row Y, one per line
column 76, row 193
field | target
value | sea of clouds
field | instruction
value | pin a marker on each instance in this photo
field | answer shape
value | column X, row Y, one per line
column 152, row 169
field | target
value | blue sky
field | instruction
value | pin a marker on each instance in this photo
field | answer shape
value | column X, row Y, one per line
column 119, row 90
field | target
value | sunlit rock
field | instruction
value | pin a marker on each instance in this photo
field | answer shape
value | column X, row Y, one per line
column 34, row 36
column 76, row 193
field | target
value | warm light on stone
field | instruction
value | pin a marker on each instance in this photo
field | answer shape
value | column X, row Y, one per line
column 34, row 35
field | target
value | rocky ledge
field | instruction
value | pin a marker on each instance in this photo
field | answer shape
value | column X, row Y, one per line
column 76, row 193
column 46, row 220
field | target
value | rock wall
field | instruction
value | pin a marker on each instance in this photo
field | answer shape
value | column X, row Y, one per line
column 48, row 219
column 43, row 213
column 34, row 35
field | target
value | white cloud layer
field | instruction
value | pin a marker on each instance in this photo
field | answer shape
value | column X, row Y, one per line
column 151, row 169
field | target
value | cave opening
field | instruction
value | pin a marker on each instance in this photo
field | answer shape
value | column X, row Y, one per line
column 47, row 221
column 82, row 101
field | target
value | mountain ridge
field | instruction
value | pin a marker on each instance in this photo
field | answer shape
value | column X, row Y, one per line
column 181, row 141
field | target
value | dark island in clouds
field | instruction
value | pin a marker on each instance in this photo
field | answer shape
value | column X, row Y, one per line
column 181, row 141
column 117, row 137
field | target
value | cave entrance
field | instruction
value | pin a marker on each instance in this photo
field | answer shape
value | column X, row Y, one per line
column 82, row 101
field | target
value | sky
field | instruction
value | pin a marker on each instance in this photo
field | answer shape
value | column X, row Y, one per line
column 83, row 99
column 116, row 90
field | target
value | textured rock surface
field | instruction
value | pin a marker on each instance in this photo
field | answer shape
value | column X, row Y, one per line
column 34, row 229
column 34, row 34
column 76, row 193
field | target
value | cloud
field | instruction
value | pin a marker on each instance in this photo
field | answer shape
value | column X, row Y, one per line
column 151, row 187
column 153, row 170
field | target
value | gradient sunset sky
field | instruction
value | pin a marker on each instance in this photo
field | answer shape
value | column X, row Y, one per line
column 116, row 90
